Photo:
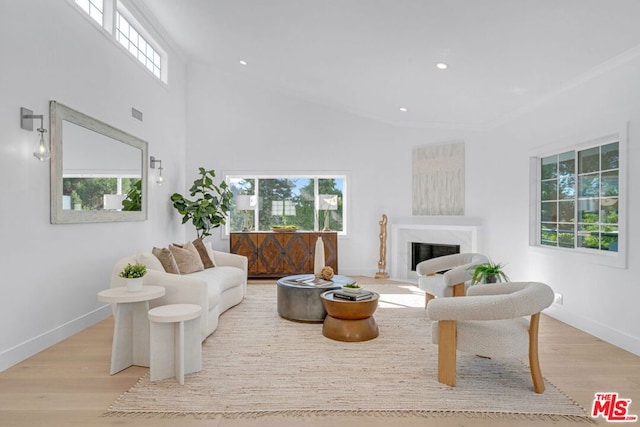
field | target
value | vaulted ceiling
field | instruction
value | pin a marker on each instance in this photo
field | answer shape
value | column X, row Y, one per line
column 374, row 57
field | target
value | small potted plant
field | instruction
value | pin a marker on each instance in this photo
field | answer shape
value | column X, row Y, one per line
column 488, row 272
column 133, row 273
column 351, row 288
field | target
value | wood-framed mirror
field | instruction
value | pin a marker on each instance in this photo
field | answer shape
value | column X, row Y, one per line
column 98, row 172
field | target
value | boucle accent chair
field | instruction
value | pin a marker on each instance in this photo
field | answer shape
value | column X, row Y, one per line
column 454, row 282
column 490, row 322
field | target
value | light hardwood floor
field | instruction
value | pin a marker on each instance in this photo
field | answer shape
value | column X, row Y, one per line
column 69, row 385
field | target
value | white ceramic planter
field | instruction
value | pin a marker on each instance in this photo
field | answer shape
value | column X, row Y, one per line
column 134, row 285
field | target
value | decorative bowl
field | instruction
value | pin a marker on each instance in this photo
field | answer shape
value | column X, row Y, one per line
column 284, row 228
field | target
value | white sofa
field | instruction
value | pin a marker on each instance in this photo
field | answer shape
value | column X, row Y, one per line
column 214, row 289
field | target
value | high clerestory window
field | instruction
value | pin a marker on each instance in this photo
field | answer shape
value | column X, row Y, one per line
column 137, row 45
column 580, row 198
column 127, row 30
column 94, row 9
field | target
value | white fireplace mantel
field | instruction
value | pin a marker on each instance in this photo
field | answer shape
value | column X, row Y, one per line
column 448, row 230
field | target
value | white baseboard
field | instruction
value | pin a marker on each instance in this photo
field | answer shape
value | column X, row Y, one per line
column 605, row 333
column 26, row 349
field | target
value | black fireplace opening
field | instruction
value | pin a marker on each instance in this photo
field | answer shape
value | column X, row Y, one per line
column 424, row 251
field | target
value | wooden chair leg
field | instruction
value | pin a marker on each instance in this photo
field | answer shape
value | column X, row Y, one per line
column 427, row 297
column 447, row 337
column 458, row 290
column 534, row 362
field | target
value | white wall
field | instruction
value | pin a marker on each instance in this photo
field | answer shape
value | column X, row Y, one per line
column 598, row 299
column 52, row 273
column 236, row 125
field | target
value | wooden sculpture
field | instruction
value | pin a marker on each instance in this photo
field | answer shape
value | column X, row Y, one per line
column 382, row 263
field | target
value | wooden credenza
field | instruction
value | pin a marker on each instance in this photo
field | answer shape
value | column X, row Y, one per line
column 283, row 254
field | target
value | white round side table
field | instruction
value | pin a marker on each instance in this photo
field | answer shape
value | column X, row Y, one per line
column 131, row 330
column 176, row 344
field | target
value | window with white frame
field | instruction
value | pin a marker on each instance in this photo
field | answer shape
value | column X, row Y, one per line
column 137, row 45
column 127, row 30
column 94, row 8
column 308, row 202
column 579, row 198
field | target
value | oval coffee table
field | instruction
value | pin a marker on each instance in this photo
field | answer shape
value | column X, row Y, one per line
column 349, row 320
column 301, row 302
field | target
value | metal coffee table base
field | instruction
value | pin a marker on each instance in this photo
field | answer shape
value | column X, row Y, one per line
column 302, row 303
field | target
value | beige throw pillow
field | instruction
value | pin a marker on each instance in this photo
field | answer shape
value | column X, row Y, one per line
column 166, row 259
column 204, row 255
column 187, row 258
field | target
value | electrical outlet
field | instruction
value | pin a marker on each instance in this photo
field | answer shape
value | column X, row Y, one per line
column 558, row 299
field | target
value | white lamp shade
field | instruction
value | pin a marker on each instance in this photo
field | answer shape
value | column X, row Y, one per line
column 246, row 202
column 328, row 202
column 113, row 201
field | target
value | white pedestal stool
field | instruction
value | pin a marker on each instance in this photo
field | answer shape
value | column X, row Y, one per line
column 176, row 345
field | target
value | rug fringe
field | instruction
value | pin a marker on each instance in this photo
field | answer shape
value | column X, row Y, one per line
column 357, row 412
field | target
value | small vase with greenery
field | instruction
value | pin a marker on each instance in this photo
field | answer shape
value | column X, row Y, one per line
column 488, row 272
column 210, row 207
column 133, row 273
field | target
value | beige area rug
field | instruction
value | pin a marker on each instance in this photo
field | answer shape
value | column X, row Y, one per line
column 257, row 363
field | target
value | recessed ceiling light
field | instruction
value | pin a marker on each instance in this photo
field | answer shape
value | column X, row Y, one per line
column 243, row 62
column 403, row 109
column 442, row 66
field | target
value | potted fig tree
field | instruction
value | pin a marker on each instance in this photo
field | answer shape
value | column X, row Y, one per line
column 210, row 204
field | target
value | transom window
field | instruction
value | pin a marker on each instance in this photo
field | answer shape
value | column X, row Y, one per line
column 137, row 45
column 311, row 203
column 579, row 198
column 128, row 30
column 94, row 9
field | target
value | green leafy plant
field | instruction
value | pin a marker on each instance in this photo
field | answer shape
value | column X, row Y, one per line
column 488, row 272
column 210, row 207
column 75, row 198
column 353, row 285
column 133, row 201
column 133, row 271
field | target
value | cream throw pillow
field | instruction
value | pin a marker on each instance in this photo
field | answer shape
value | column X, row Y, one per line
column 209, row 248
column 187, row 258
column 166, row 259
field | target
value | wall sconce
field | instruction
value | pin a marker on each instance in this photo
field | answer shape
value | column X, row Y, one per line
column 42, row 152
column 153, row 162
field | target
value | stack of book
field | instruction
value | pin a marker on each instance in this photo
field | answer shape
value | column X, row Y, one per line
column 308, row 281
column 353, row 296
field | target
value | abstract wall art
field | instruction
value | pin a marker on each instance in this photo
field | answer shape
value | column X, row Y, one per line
column 438, row 179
